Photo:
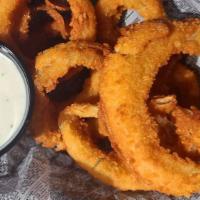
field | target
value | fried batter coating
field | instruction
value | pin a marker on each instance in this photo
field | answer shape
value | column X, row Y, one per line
column 83, row 110
column 11, row 12
column 59, row 22
column 83, row 20
column 68, row 55
column 102, row 126
column 109, row 13
column 83, row 23
column 163, row 104
column 44, row 125
column 7, row 9
column 54, row 63
column 81, row 147
column 187, row 85
column 179, row 79
column 90, row 92
column 24, row 24
column 135, row 38
column 137, row 137
column 187, row 124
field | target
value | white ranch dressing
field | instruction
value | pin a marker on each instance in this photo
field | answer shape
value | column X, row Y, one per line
column 13, row 100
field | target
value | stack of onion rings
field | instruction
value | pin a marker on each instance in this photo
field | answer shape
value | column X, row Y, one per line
column 48, row 71
column 80, row 145
column 132, row 130
column 72, row 121
column 116, row 103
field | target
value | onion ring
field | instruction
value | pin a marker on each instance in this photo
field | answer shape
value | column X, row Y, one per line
column 185, row 121
column 83, row 20
column 187, row 124
column 93, row 55
column 137, row 138
column 7, row 10
column 55, row 62
column 67, row 52
column 90, row 92
column 81, row 147
column 10, row 10
column 44, row 123
column 163, row 104
column 185, row 80
column 59, row 21
column 135, row 38
column 108, row 15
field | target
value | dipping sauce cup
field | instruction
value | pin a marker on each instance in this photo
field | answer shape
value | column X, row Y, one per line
column 15, row 98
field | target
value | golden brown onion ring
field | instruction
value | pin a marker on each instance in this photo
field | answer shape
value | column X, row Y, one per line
column 163, row 104
column 109, row 13
column 54, row 63
column 90, row 92
column 187, row 124
column 59, row 22
column 186, row 82
column 46, row 134
column 81, row 147
column 14, row 15
column 135, row 37
column 131, row 128
column 82, row 26
column 44, row 125
column 8, row 10
column 83, row 20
